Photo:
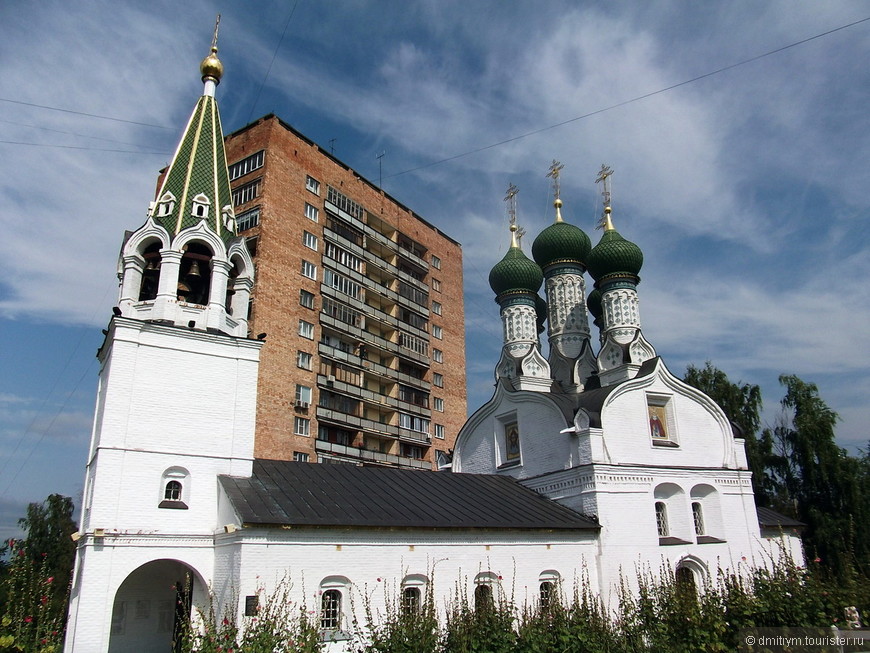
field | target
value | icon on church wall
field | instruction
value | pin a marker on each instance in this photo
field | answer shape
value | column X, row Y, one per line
column 512, row 442
column 657, row 422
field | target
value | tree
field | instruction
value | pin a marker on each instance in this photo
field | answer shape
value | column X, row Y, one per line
column 816, row 481
column 741, row 403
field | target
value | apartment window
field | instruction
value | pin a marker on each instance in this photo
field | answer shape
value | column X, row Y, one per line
column 437, row 332
column 306, row 329
column 413, row 293
column 246, row 192
column 311, row 212
column 348, row 233
column 300, row 457
column 334, row 435
column 413, row 396
column 436, row 262
column 411, row 451
column 437, row 355
column 343, row 256
column 438, row 404
column 413, row 423
column 412, row 370
column 436, row 308
column 342, row 313
column 312, row 184
column 436, row 285
column 246, row 165
column 302, row 426
column 438, row 380
column 309, row 240
column 306, row 298
column 343, row 202
column 303, row 360
column 414, row 319
column 439, row 431
column 662, row 519
column 413, row 343
column 303, row 394
column 342, row 284
column 309, row 270
column 248, row 219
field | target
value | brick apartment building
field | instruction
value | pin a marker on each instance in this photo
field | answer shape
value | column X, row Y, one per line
column 361, row 302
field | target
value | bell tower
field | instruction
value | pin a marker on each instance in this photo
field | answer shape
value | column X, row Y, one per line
column 176, row 401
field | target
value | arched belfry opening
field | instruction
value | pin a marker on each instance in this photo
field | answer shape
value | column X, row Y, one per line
column 234, row 273
column 152, row 607
column 150, row 273
column 194, row 274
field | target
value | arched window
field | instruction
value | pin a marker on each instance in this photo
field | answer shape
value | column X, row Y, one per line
column 411, row 600
column 173, row 491
column 165, row 205
column 483, row 598
column 685, row 580
column 194, row 274
column 200, row 206
column 174, row 487
column 662, row 519
column 698, row 518
column 548, row 589
column 151, row 272
column 330, row 610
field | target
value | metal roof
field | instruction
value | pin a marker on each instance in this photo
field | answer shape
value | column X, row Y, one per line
column 303, row 494
column 768, row 518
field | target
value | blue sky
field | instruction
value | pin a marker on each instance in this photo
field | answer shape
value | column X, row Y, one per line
column 748, row 190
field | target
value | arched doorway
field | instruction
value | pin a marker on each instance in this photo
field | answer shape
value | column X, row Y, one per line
column 151, row 605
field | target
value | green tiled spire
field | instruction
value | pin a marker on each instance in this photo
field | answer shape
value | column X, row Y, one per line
column 199, row 169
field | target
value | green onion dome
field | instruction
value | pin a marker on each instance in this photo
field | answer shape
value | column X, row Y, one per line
column 516, row 271
column 561, row 243
column 593, row 303
column 614, row 254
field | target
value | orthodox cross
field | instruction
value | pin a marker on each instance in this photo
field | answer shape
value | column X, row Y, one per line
column 217, row 24
column 604, row 175
column 555, row 169
column 511, row 199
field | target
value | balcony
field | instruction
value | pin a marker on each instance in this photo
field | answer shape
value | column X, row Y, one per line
column 371, row 456
column 388, row 373
column 357, row 423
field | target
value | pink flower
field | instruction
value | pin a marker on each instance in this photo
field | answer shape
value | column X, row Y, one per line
column 817, row 560
column 28, row 619
column 379, row 580
column 43, row 600
column 49, row 580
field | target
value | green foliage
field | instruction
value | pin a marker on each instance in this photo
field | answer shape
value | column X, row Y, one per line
column 36, row 579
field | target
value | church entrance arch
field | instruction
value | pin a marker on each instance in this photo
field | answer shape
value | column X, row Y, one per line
column 151, row 606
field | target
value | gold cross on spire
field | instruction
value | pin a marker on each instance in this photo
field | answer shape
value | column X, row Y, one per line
column 604, row 176
column 511, row 199
column 555, row 169
column 217, row 24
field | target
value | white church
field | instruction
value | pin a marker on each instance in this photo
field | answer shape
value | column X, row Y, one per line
column 582, row 467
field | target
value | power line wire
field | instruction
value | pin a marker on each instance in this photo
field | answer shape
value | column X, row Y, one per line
column 632, row 100
column 83, row 113
column 274, row 55
column 80, row 147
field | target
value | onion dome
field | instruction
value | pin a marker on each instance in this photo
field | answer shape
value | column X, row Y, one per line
column 561, row 243
column 614, row 254
column 516, row 272
column 593, row 303
column 211, row 67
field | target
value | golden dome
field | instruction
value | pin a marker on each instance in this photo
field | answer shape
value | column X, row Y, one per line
column 211, row 66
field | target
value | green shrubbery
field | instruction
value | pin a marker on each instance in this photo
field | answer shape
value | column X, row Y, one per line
column 657, row 614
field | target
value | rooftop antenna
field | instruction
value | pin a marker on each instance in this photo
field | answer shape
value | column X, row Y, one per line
column 332, row 146
column 604, row 176
column 380, row 158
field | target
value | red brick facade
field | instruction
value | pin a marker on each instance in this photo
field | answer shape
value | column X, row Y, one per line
column 379, row 376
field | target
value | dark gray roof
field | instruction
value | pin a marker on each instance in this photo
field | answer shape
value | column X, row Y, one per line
column 768, row 518
column 303, row 494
